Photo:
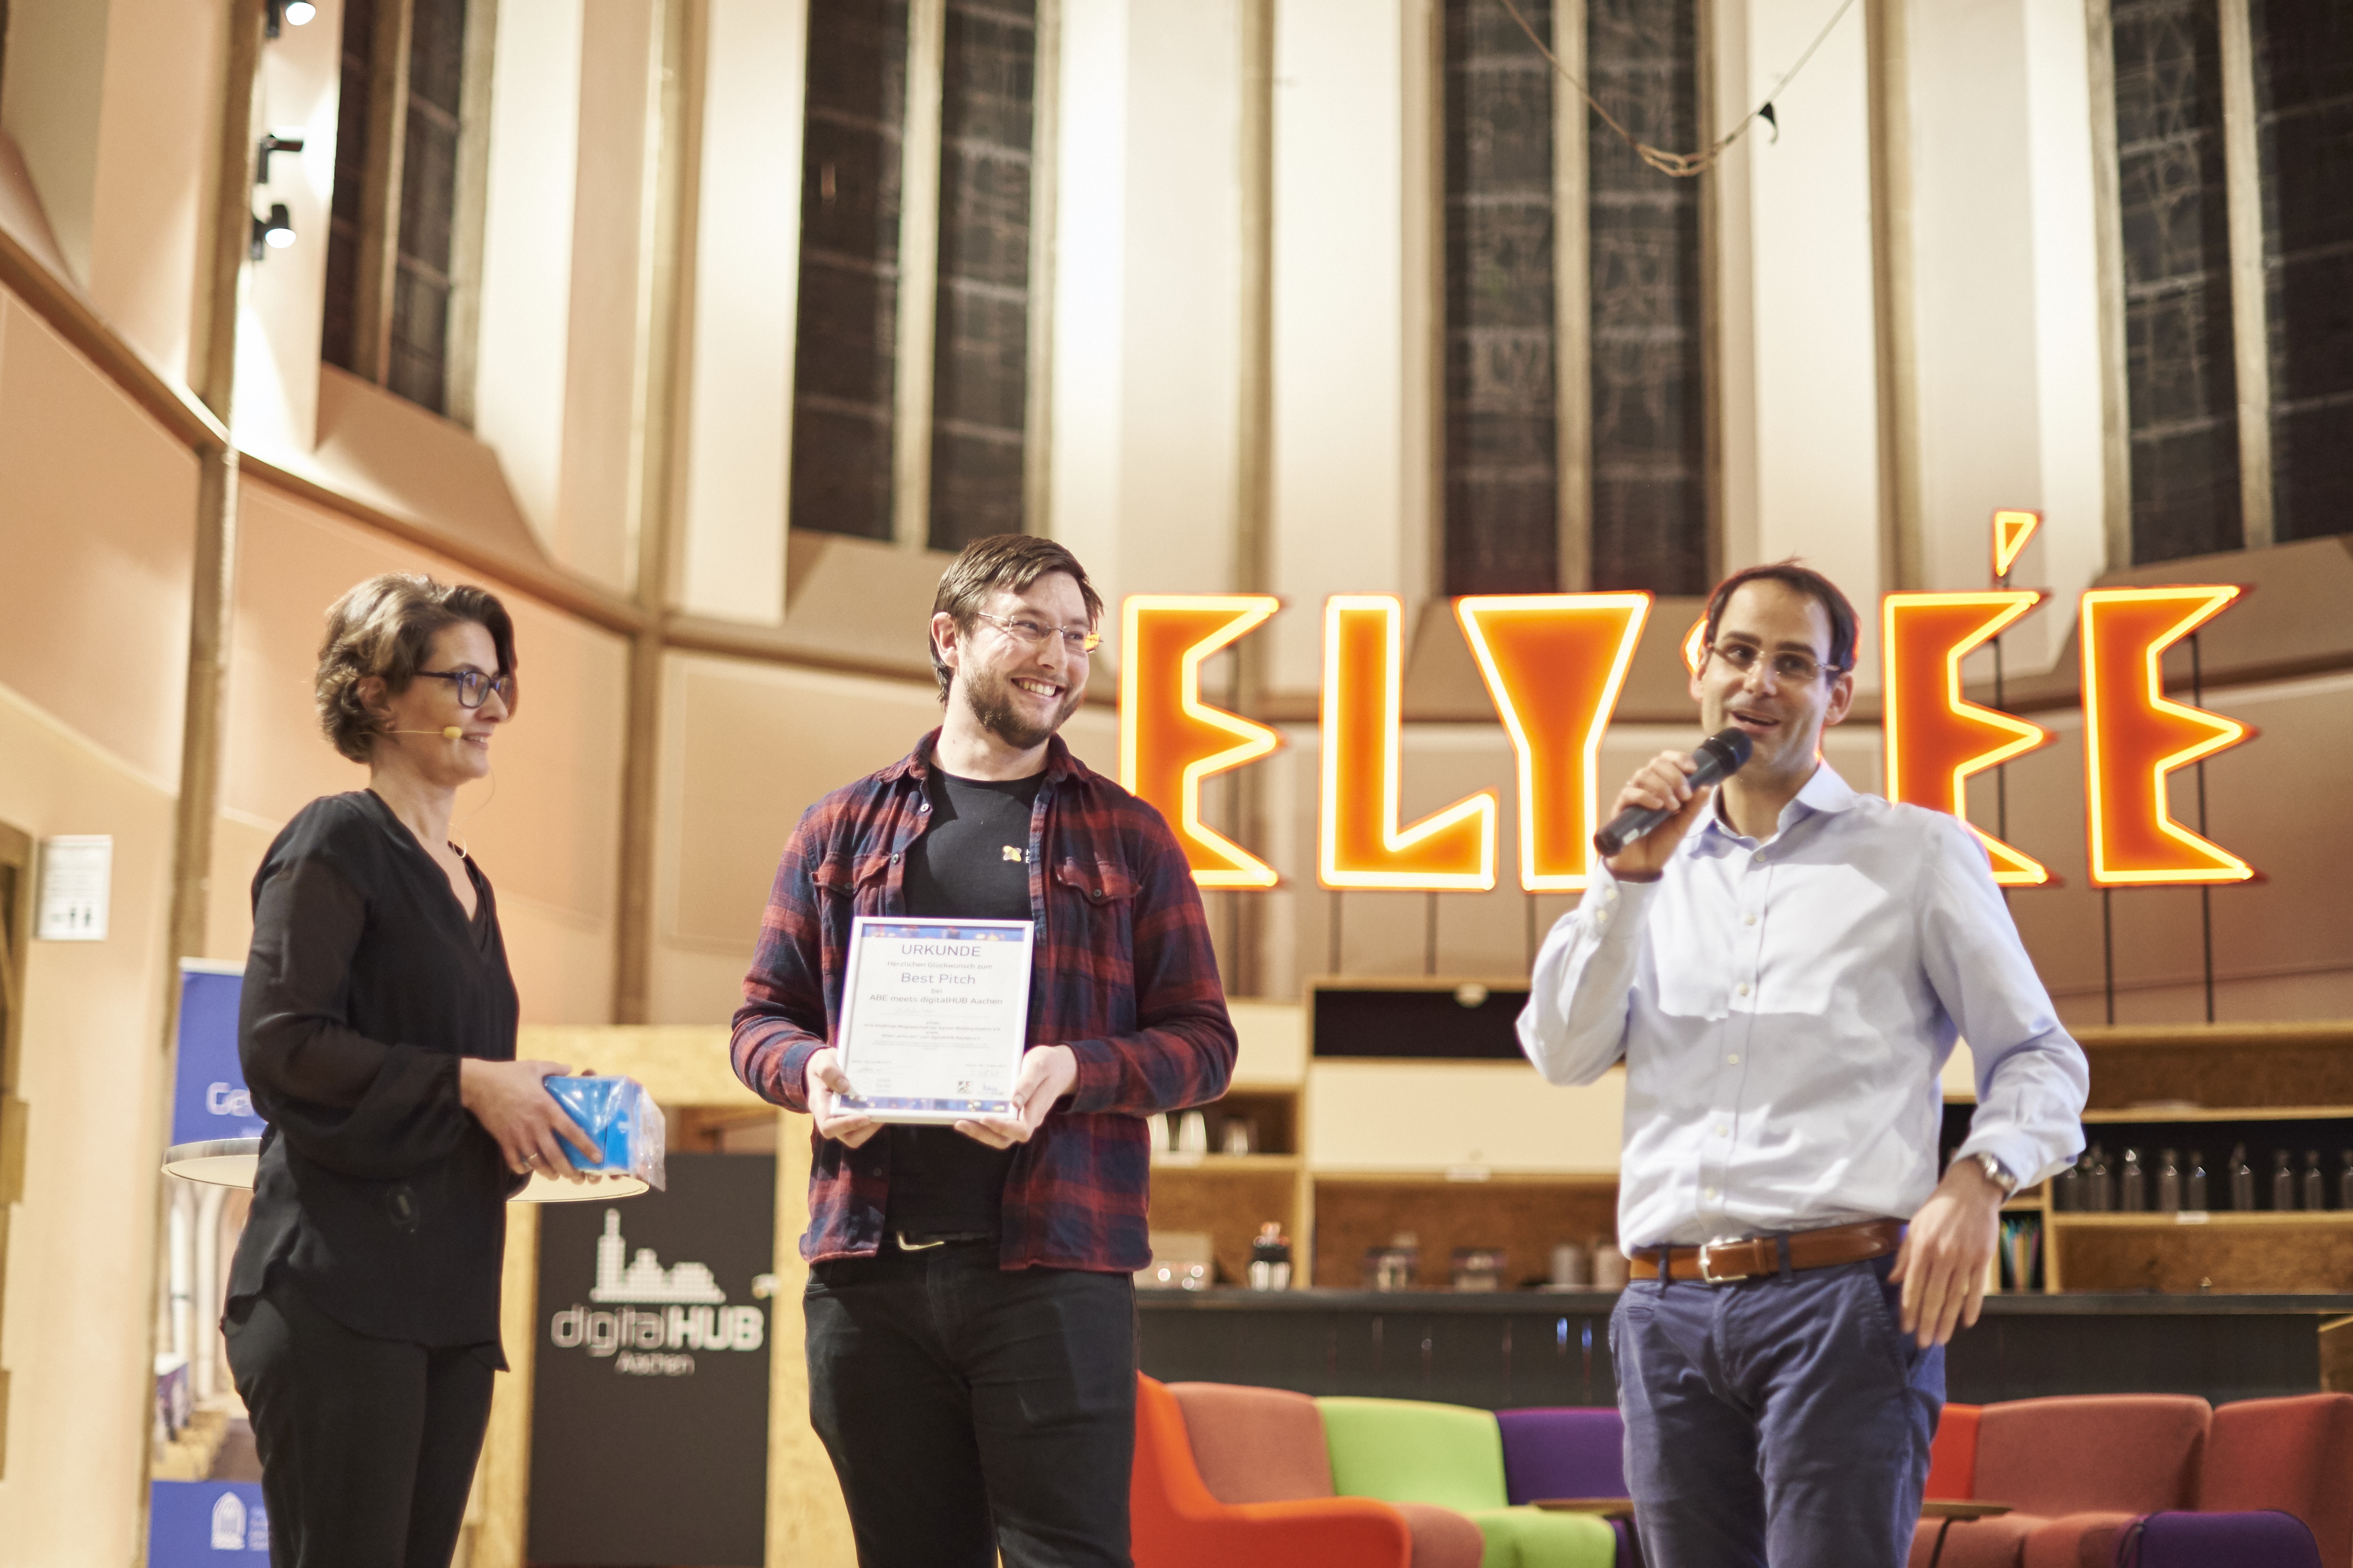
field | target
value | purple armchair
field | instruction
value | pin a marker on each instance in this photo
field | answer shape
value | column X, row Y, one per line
column 1568, row 1451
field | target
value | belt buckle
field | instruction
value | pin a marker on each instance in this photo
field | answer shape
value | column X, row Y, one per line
column 1706, row 1272
column 906, row 1245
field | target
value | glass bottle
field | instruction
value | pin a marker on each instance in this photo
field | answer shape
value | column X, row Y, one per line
column 2103, row 1190
column 2193, row 1190
column 2242, row 1180
column 2283, row 1182
column 2345, row 1183
column 2315, row 1198
column 2135, row 1184
column 2067, row 1187
column 2168, row 1183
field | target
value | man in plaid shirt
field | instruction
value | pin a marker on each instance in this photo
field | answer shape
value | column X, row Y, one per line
column 971, row 1314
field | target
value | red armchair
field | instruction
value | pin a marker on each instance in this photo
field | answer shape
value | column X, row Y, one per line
column 2295, row 1455
column 1176, row 1521
column 2077, row 1471
column 1953, row 1456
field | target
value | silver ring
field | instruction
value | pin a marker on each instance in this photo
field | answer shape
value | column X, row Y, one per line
column 532, row 1158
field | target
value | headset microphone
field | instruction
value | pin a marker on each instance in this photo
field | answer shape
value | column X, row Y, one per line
column 446, row 732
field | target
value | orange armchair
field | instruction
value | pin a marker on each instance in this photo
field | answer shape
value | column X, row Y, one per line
column 1176, row 1523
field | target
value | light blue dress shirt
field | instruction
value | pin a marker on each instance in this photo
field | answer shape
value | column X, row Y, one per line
column 1784, row 1010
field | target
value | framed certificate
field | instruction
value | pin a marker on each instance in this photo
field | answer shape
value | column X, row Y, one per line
column 934, row 1015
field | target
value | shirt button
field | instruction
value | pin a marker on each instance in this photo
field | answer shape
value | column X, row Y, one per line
column 1723, row 1132
column 1708, row 1192
column 1743, row 987
column 1748, row 920
column 1733, row 1059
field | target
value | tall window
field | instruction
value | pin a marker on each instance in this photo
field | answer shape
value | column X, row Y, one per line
column 1620, row 497
column 912, row 378
column 16, row 918
column 391, row 248
column 2240, row 404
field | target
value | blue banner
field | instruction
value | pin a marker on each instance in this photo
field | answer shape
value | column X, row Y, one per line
column 205, row 1524
column 208, row 1097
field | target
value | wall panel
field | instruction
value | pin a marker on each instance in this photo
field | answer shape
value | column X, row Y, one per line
column 97, row 518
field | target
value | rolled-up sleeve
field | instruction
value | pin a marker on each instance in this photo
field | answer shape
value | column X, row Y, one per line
column 1573, row 1025
column 2031, row 1076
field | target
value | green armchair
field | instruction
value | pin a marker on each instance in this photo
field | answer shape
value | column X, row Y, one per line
column 1404, row 1451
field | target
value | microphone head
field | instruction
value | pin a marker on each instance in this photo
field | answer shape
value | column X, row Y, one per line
column 454, row 732
column 1733, row 745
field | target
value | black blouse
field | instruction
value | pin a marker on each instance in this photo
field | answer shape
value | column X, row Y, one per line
column 379, row 1195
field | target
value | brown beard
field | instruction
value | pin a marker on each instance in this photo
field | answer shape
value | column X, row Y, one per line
column 990, row 696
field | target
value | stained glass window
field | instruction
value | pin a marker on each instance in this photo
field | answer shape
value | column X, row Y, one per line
column 845, row 375
column 1650, row 481
column 1646, row 520
column 2304, row 86
column 2181, row 385
column 845, row 370
column 981, row 343
column 1502, row 463
column 415, row 354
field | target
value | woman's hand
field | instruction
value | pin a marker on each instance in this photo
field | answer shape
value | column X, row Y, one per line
column 825, row 1082
column 514, row 1108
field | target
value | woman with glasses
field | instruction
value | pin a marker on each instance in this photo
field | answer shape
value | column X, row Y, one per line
column 377, row 1032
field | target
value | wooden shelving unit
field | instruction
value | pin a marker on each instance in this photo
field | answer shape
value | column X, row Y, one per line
column 2204, row 1088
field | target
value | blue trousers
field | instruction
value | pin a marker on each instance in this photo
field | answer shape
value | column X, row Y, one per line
column 1782, row 1420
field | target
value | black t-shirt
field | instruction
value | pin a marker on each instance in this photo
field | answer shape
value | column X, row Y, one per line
column 972, row 864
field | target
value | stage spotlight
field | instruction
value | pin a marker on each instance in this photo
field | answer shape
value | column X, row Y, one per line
column 274, row 232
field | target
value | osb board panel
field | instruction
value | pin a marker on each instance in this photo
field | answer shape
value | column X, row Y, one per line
column 2181, row 1257
column 1230, row 1204
column 2220, row 1074
column 2337, row 1355
column 1527, row 1219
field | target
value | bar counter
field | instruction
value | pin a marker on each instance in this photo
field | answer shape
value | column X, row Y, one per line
column 1502, row 1348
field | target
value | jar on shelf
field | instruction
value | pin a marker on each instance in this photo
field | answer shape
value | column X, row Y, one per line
column 1269, row 1263
column 1479, row 1268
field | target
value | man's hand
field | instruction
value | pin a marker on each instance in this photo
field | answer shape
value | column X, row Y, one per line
column 1942, row 1263
column 511, row 1103
column 1048, row 1073
column 827, row 1082
column 1659, row 784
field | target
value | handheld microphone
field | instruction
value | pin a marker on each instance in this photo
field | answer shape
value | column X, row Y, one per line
column 1719, row 756
column 446, row 732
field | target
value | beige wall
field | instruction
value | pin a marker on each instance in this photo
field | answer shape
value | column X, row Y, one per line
column 79, row 1243
column 546, row 828
column 96, row 503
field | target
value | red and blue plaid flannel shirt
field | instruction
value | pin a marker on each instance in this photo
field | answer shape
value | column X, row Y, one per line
column 1123, row 976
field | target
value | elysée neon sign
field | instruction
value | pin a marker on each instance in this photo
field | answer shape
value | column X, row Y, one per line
column 1554, row 665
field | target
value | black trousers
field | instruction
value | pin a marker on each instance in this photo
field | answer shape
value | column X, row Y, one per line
column 367, row 1445
column 971, row 1409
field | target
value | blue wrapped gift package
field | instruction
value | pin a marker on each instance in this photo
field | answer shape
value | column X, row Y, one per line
column 622, row 1118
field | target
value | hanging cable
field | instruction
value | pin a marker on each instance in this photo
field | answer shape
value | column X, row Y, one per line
column 1682, row 166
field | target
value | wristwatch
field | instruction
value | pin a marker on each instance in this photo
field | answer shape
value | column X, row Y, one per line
column 1995, row 1173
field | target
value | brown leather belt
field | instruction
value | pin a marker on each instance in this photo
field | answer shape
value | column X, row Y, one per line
column 1721, row 1262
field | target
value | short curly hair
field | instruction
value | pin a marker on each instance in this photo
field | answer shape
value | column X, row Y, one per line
column 384, row 627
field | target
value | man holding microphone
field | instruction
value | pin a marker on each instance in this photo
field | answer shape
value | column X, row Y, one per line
column 1783, row 963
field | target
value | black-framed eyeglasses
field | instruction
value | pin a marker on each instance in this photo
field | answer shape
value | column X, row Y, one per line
column 1787, row 665
column 473, row 686
column 1030, row 634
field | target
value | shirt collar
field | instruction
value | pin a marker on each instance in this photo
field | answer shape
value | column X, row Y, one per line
column 1824, row 793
